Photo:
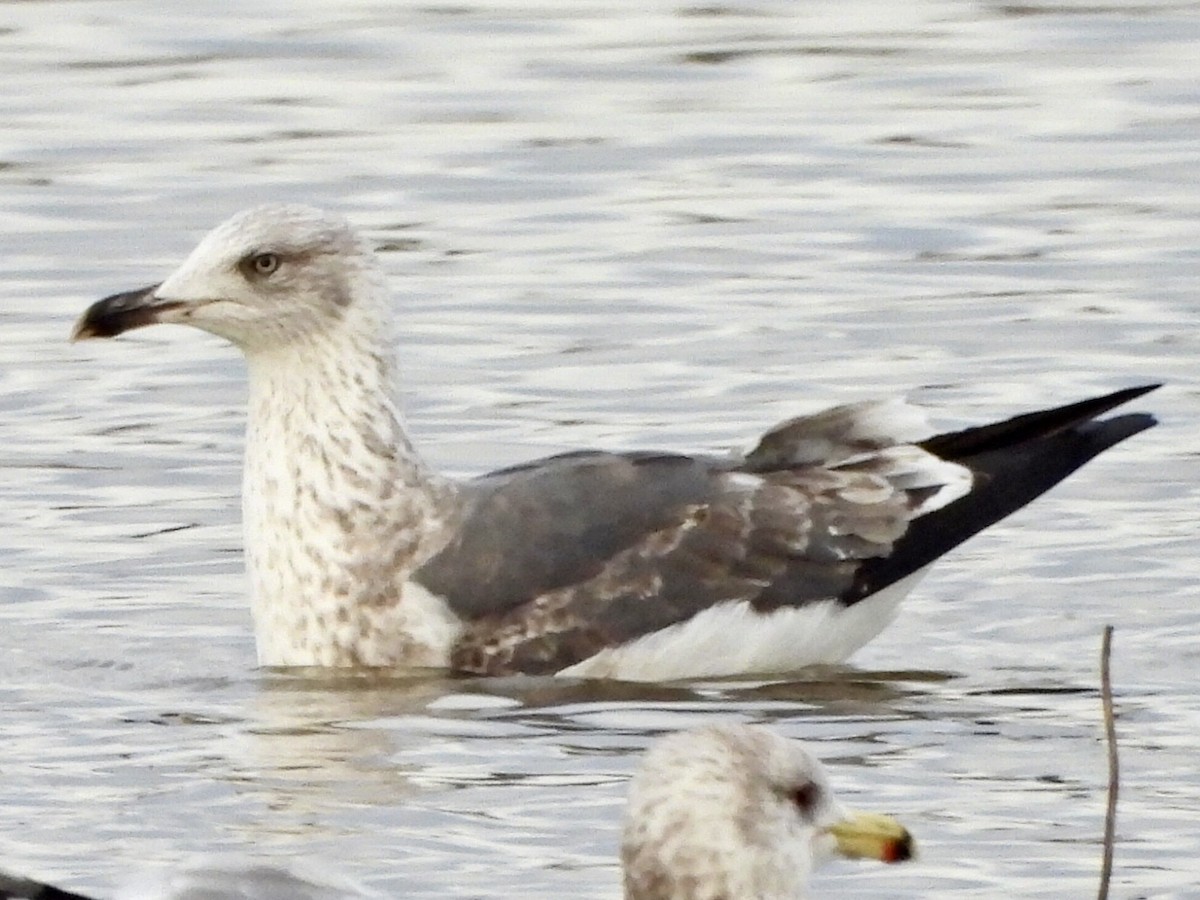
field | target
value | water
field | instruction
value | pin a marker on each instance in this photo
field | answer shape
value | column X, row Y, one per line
column 669, row 227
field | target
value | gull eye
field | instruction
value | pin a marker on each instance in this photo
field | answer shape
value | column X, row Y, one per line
column 263, row 264
column 806, row 797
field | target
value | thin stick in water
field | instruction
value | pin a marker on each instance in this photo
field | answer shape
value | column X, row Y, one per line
column 1110, row 733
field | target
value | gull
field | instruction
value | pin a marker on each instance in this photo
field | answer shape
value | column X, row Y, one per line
column 638, row 566
column 721, row 812
column 738, row 812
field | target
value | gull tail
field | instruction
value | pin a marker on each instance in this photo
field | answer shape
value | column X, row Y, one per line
column 1012, row 463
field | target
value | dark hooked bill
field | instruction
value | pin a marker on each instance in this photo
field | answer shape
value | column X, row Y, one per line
column 122, row 312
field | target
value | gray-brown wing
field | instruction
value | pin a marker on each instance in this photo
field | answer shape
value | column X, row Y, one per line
column 562, row 558
column 557, row 522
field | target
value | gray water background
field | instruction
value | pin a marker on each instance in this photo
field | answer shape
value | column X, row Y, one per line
column 664, row 226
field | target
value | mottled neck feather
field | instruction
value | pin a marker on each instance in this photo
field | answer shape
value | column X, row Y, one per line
column 338, row 507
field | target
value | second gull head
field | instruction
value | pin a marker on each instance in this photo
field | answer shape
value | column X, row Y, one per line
column 735, row 812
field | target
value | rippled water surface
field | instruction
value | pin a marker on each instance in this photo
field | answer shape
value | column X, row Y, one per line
column 624, row 225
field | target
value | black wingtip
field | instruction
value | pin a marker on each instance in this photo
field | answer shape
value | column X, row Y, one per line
column 1014, row 462
column 961, row 445
column 1118, row 428
column 1126, row 394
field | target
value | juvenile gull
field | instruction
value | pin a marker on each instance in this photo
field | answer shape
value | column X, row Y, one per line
column 641, row 566
column 725, row 812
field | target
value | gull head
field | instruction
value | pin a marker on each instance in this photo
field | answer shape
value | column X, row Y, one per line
column 268, row 277
column 733, row 812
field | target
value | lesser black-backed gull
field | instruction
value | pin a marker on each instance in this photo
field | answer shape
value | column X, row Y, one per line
column 644, row 566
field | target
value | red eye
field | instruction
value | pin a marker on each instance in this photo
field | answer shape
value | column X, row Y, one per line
column 805, row 796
